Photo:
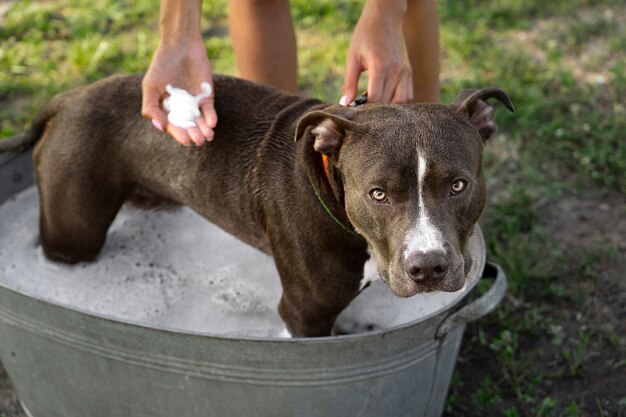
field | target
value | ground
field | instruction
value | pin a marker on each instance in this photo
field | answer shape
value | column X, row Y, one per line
column 558, row 350
column 556, row 215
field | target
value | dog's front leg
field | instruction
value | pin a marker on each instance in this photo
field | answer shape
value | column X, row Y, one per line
column 306, row 317
column 318, row 284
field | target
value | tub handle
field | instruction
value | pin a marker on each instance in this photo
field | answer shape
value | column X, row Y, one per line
column 480, row 307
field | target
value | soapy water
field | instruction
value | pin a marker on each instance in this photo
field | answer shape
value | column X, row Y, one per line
column 175, row 269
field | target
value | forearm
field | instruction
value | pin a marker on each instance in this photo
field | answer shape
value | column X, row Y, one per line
column 180, row 20
column 180, row 60
column 387, row 11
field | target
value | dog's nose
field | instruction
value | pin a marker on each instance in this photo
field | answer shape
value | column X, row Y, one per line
column 426, row 267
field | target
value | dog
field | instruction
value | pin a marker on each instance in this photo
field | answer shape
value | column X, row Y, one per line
column 319, row 187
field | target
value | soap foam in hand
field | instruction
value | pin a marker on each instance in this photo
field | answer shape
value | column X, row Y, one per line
column 183, row 107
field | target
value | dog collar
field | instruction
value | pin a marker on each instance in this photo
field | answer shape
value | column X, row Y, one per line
column 325, row 206
column 325, row 164
column 357, row 101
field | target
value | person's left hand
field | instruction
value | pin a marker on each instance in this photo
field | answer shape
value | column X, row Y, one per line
column 378, row 47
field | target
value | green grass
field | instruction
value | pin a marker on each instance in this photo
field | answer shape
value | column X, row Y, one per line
column 563, row 63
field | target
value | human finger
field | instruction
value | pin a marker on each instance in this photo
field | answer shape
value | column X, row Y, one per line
column 151, row 109
column 403, row 92
column 207, row 132
column 196, row 135
column 179, row 134
column 375, row 87
column 207, row 104
column 351, row 79
column 208, row 113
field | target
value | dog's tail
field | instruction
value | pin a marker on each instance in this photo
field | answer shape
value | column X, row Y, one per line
column 26, row 140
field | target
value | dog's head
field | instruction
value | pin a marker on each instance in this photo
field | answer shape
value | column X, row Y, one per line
column 410, row 180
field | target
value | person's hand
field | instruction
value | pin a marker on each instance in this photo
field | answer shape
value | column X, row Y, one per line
column 378, row 47
column 186, row 66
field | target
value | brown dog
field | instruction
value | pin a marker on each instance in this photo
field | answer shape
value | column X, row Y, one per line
column 403, row 182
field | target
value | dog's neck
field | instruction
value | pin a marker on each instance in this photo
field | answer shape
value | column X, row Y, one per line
column 338, row 215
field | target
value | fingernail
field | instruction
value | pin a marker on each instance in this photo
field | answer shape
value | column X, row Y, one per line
column 343, row 101
column 156, row 124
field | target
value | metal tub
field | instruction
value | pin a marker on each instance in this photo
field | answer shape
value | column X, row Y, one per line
column 70, row 363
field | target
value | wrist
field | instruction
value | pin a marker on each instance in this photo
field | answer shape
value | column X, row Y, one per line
column 387, row 11
column 180, row 42
column 180, row 21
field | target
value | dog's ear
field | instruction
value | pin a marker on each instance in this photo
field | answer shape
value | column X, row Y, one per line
column 473, row 104
column 327, row 127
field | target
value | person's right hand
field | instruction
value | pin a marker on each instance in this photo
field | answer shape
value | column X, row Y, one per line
column 183, row 65
column 378, row 47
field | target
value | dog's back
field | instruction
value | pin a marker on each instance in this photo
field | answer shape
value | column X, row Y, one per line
column 95, row 151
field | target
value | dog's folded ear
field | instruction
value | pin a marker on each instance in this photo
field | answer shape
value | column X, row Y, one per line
column 473, row 104
column 328, row 127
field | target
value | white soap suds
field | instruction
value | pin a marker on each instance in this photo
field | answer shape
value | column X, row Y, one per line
column 183, row 107
column 177, row 270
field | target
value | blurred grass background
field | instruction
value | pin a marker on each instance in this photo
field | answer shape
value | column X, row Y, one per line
column 556, row 169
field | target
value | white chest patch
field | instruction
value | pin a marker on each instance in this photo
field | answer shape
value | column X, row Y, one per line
column 285, row 333
column 370, row 272
column 183, row 107
column 424, row 236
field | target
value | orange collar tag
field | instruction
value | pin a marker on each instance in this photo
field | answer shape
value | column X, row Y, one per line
column 326, row 170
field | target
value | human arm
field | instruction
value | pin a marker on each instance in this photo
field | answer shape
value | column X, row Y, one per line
column 397, row 43
column 180, row 60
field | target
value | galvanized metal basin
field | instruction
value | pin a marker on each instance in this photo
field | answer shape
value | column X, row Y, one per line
column 65, row 362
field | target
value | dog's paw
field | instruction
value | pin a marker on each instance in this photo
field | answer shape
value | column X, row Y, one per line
column 285, row 334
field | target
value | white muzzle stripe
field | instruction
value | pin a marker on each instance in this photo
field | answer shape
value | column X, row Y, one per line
column 424, row 236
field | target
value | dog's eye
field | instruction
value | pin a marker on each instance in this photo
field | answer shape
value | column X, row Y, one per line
column 458, row 186
column 378, row 195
